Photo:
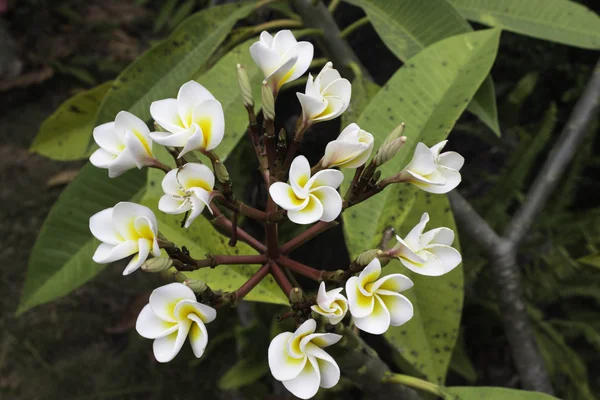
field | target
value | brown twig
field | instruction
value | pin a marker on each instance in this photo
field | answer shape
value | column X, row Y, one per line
column 305, row 236
column 281, row 279
column 223, row 222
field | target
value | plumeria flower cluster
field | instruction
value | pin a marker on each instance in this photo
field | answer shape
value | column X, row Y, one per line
column 190, row 127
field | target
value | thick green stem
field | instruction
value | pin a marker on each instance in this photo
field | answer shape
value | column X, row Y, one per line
column 354, row 26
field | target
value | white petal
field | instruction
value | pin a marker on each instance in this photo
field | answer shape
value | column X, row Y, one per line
column 328, row 74
column 335, row 107
column 164, row 299
column 198, row 336
column 194, row 142
column 140, row 149
column 350, row 133
column 166, row 114
column 330, row 372
column 312, row 107
column 452, row 179
column 299, row 176
column 210, row 118
column 319, row 339
column 360, row 305
column 311, row 212
column 437, row 148
column 149, row 326
column 377, row 322
column 306, row 384
column 173, row 205
column 413, row 239
column 126, row 121
column 327, row 177
column 293, row 344
column 436, row 178
column 283, row 367
column 448, row 256
column 198, row 203
column 393, row 283
column 178, row 139
column 323, row 299
column 283, row 41
column 452, row 160
column 196, row 175
column 371, row 272
column 106, row 137
column 144, row 246
column 267, row 59
column 188, row 308
column 101, row 226
column 338, row 153
column 432, row 266
column 437, row 236
column 166, row 348
column 340, row 88
column 423, row 161
column 102, row 158
column 170, row 184
column 402, row 250
column 124, row 216
column 399, row 307
column 121, row 164
column 282, row 74
column 284, row 196
column 304, row 53
column 190, row 95
column 330, row 200
column 312, row 89
column 106, row 253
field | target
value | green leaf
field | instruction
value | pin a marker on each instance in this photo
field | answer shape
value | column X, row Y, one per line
column 363, row 91
column 61, row 259
column 559, row 21
column 221, row 81
column 65, row 135
column 202, row 238
column 495, row 393
column 407, row 27
column 159, row 72
column 461, row 364
column 245, row 372
column 429, row 99
column 592, row 260
column 427, row 340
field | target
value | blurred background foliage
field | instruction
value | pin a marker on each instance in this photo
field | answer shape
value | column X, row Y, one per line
column 83, row 346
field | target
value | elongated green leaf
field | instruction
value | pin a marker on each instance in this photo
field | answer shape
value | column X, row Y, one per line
column 495, row 393
column 61, row 259
column 429, row 99
column 243, row 373
column 65, row 135
column 427, row 340
column 559, row 21
column 222, row 81
column 407, row 27
column 363, row 91
column 202, row 238
column 592, row 260
column 159, row 72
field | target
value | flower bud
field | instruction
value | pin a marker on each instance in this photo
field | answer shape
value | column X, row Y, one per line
column 221, row 172
column 282, row 140
column 268, row 102
column 245, row 86
column 195, row 285
column 387, row 151
column 157, row 264
column 296, row 295
column 395, row 134
column 365, row 258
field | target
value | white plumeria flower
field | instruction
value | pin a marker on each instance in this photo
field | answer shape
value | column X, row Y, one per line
column 125, row 229
column 299, row 362
column 282, row 59
column 434, row 172
column 351, row 149
column 173, row 312
column 428, row 253
column 307, row 199
column 332, row 304
column 187, row 188
column 375, row 304
column 326, row 97
column 194, row 120
column 124, row 144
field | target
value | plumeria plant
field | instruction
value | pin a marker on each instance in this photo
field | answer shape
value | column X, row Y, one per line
column 303, row 194
column 331, row 146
